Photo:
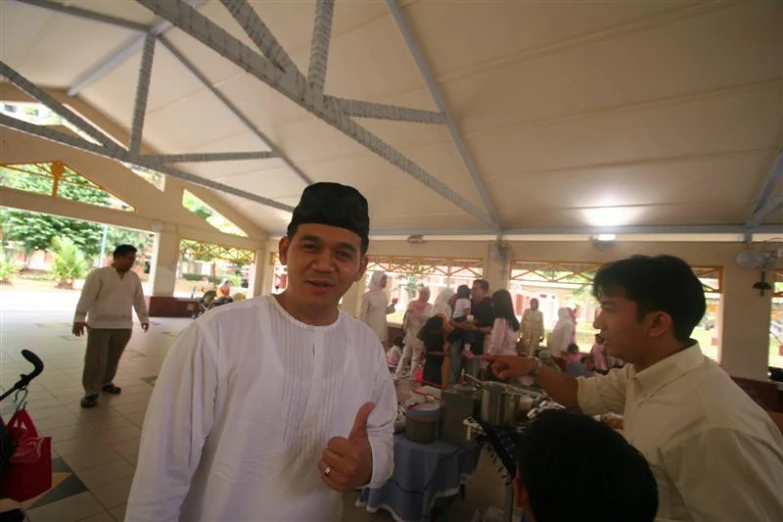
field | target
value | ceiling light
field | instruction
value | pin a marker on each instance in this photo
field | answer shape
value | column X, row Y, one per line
column 606, row 237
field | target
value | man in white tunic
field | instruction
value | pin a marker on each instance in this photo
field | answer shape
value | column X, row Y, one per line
column 716, row 455
column 108, row 297
column 268, row 409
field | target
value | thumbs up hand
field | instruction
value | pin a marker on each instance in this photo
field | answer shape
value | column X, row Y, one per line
column 346, row 463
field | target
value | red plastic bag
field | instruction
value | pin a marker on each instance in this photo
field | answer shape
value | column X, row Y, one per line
column 30, row 470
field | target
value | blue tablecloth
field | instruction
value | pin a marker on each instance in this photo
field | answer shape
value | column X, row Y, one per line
column 422, row 474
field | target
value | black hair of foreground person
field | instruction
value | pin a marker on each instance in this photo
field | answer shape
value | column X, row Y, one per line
column 573, row 467
column 656, row 283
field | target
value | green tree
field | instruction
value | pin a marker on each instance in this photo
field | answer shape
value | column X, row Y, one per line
column 195, row 205
column 36, row 231
column 124, row 236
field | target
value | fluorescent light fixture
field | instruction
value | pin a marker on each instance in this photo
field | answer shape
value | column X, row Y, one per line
column 606, row 237
column 605, row 217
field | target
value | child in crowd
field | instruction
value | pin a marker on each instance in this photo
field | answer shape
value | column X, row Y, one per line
column 394, row 353
column 574, row 362
column 462, row 314
column 436, row 348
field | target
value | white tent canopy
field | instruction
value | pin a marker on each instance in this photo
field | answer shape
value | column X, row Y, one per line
column 543, row 117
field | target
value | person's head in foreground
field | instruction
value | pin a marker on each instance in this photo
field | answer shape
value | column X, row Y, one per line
column 573, row 468
column 649, row 307
column 124, row 257
column 325, row 250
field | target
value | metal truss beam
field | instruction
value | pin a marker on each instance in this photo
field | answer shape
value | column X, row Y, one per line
column 276, row 151
column 319, row 48
column 85, row 14
column 206, row 157
column 293, row 85
column 642, row 230
column 361, row 109
column 142, row 93
column 488, row 235
column 259, row 33
column 119, row 57
column 117, row 153
column 429, row 79
column 33, row 90
column 763, row 204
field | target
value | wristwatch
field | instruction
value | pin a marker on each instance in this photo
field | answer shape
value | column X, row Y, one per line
column 538, row 367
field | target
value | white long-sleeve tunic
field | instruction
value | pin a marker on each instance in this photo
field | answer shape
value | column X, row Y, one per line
column 245, row 403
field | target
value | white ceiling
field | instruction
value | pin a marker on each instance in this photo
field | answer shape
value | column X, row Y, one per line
column 577, row 114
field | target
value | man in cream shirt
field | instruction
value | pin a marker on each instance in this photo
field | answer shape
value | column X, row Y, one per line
column 716, row 455
column 104, row 309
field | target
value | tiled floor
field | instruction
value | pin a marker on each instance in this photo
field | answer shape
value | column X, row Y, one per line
column 95, row 451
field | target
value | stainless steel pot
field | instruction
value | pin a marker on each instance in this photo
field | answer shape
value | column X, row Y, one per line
column 500, row 404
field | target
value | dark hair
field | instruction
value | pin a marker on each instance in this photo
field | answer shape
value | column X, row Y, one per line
column 124, row 250
column 483, row 283
column 433, row 326
column 399, row 341
column 504, row 308
column 656, row 284
column 565, row 452
column 572, row 348
column 463, row 292
column 293, row 227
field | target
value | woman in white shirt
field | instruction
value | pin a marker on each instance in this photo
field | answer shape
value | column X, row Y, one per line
column 442, row 305
column 561, row 334
column 415, row 316
column 375, row 306
column 503, row 339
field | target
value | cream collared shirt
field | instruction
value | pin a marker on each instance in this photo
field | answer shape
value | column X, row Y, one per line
column 716, row 455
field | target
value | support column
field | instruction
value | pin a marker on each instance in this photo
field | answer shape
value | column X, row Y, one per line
column 258, row 273
column 268, row 283
column 163, row 275
column 496, row 271
column 744, row 325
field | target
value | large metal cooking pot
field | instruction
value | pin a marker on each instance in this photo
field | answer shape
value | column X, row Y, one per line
column 500, row 404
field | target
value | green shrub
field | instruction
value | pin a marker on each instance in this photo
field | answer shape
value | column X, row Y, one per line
column 68, row 264
column 8, row 269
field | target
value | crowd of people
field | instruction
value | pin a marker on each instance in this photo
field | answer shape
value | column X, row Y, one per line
column 469, row 323
column 270, row 408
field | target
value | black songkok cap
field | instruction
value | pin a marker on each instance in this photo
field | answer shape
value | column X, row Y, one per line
column 335, row 205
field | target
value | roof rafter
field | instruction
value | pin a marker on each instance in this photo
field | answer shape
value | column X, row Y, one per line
column 207, row 157
column 361, row 109
column 294, row 85
column 278, row 153
column 118, row 57
column 764, row 205
column 117, row 153
column 432, row 86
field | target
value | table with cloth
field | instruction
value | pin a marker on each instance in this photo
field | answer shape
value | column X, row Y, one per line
column 423, row 473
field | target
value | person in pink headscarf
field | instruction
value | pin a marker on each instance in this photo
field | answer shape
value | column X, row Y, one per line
column 415, row 316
